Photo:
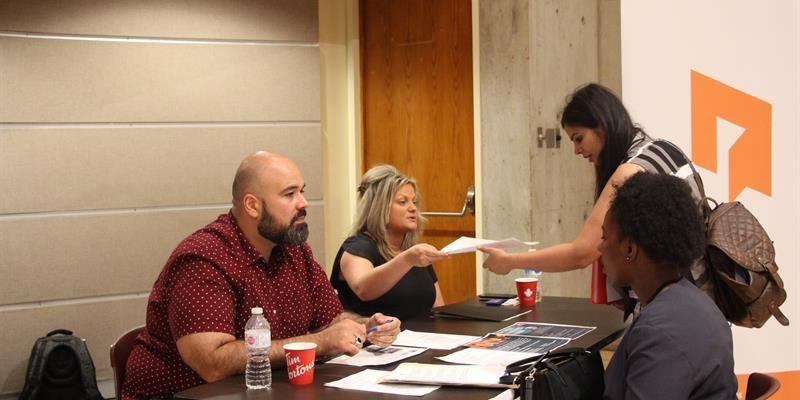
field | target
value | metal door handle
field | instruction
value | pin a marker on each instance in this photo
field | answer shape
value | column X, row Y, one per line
column 469, row 205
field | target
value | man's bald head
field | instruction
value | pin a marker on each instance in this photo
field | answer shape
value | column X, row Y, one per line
column 268, row 201
column 254, row 171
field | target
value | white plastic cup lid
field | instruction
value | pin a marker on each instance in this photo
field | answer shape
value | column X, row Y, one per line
column 256, row 310
column 300, row 346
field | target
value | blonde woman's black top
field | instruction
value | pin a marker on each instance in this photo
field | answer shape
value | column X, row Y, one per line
column 413, row 295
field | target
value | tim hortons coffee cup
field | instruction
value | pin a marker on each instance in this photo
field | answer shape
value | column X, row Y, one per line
column 300, row 362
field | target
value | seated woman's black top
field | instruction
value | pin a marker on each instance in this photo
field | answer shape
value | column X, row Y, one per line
column 411, row 296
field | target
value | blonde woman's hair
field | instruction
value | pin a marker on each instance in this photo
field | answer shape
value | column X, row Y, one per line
column 375, row 196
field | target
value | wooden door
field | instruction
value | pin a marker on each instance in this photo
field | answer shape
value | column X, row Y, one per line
column 416, row 102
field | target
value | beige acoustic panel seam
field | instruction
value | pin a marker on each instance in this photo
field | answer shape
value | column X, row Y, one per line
column 224, row 19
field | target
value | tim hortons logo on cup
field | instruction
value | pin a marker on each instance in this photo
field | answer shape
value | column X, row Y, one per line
column 296, row 369
column 528, row 292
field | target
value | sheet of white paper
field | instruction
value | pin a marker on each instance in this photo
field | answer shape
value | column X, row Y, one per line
column 368, row 381
column 375, row 355
column 452, row 375
column 474, row 356
column 439, row 341
column 512, row 302
column 469, row 244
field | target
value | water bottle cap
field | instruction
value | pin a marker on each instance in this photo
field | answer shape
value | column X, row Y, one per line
column 256, row 310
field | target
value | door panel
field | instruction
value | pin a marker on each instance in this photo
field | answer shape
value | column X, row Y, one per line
column 416, row 82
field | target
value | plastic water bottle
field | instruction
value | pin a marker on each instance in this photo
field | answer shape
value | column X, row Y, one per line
column 538, row 275
column 258, row 373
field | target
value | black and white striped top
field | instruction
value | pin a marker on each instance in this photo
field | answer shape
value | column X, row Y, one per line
column 662, row 157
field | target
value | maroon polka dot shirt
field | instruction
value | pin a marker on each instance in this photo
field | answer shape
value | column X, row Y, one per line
column 209, row 284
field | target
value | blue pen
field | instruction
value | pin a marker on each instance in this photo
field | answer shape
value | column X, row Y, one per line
column 375, row 328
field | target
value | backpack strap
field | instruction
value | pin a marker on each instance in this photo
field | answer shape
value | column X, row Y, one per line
column 36, row 365
column 60, row 332
column 697, row 179
column 87, row 369
column 772, row 268
column 705, row 209
column 34, row 373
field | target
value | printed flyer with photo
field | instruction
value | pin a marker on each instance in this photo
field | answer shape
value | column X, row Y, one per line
column 530, row 337
column 538, row 329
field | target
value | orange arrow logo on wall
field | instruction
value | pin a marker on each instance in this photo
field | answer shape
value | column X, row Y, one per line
column 750, row 158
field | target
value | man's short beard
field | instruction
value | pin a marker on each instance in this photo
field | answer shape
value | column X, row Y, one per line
column 291, row 234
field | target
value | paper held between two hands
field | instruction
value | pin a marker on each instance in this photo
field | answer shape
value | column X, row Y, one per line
column 468, row 244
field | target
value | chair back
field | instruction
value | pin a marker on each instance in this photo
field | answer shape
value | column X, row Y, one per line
column 761, row 386
column 120, row 350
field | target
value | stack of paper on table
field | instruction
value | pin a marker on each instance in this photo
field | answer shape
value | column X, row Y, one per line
column 450, row 375
column 376, row 355
column 368, row 380
column 472, row 356
column 438, row 341
column 469, row 245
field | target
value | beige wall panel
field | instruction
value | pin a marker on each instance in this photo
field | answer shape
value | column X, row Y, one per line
column 52, row 258
column 99, row 323
column 565, row 36
column 222, row 19
column 505, row 127
column 87, row 169
column 533, row 54
column 610, row 41
column 89, row 81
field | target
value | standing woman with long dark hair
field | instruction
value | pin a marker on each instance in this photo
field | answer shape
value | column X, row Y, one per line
column 602, row 132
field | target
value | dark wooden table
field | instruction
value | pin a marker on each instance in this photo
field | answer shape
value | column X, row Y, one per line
column 557, row 310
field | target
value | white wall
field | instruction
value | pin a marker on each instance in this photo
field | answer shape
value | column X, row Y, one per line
column 752, row 46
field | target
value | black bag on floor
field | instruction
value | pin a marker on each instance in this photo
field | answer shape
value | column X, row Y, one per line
column 60, row 367
column 568, row 374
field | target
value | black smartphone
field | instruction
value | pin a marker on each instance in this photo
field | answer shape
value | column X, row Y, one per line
column 497, row 296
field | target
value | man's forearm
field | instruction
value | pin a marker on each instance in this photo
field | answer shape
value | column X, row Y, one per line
column 349, row 315
column 227, row 360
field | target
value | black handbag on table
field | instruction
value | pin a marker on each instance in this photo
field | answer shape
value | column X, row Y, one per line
column 570, row 374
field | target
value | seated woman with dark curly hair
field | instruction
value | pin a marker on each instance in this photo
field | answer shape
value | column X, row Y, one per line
column 679, row 346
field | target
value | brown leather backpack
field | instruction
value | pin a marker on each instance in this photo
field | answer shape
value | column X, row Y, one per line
column 740, row 271
column 740, row 262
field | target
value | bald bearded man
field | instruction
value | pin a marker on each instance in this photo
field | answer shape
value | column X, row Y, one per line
column 254, row 256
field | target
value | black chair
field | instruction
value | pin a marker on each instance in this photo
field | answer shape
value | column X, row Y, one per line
column 761, row 386
column 120, row 350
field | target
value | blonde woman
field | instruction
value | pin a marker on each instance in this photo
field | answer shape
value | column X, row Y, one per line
column 381, row 266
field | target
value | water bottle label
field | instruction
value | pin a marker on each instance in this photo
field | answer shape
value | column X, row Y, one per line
column 257, row 338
